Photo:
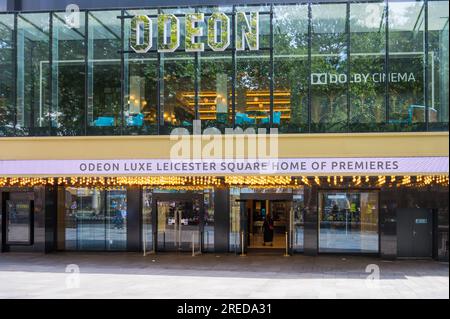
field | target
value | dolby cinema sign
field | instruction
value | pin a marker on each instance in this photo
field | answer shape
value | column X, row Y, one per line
column 216, row 27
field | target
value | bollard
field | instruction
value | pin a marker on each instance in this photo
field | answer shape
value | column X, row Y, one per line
column 242, row 245
column 286, row 254
column 193, row 244
column 144, row 242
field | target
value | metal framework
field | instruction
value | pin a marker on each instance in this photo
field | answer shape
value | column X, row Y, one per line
column 233, row 56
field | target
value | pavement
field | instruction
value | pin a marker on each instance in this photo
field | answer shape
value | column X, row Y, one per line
column 181, row 276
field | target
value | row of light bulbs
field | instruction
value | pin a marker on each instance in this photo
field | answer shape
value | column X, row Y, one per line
column 239, row 181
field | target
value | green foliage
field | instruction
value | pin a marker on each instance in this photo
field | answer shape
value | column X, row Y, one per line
column 174, row 33
column 191, row 30
column 249, row 28
column 225, row 31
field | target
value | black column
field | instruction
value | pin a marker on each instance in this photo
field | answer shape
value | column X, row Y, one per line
column 311, row 221
column 388, row 224
column 442, row 225
column 134, row 218
column 221, row 220
column 50, row 211
column 2, row 232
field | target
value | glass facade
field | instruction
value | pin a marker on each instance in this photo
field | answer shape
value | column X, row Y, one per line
column 367, row 32
column 7, row 93
column 249, row 210
column 348, row 221
column 95, row 219
column 68, row 81
column 33, row 74
column 357, row 66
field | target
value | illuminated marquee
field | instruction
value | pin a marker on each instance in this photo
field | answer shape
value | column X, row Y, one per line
column 217, row 25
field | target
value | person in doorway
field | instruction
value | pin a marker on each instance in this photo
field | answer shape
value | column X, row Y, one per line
column 268, row 230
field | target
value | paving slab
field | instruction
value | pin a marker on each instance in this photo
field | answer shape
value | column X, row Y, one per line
column 181, row 276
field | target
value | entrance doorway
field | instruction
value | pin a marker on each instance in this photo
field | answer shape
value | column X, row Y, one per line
column 179, row 222
column 348, row 221
column 267, row 223
column 18, row 219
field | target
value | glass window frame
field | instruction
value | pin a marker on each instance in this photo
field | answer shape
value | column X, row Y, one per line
column 122, row 128
column 353, row 190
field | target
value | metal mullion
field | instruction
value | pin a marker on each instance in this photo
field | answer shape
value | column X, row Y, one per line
column 86, row 70
column 272, row 71
column 122, row 75
column 158, row 95
column 50, row 75
column 347, row 23
column 386, row 65
column 309, row 66
column 197, row 85
column 159, row 112
column 426, row 76
column 105, row 216
column 15, row 70
column 234, row 76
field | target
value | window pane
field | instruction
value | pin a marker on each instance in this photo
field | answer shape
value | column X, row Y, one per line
column 141, row 82
column 116, row 220
column 95, row 219
column 215, row 77
column 291, row 68
column 298, row 223
column 438, row 91
column 329, row 68
column 32, row 74
column 208, row 228
column 253, row 89
column 19, row 222
column 6, row 75
column 367, row 64
column 85, row 219
column 178, row 83
column 235, row 238
column 147, row 230
column 253, row 77
column 215, row 91
column 104, row 109
column 178, row 74
column 68, row 81
column 348, row 222
column 406, row 65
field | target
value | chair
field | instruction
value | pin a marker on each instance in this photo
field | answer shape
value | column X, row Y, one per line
column 136, row 120
column 242, row 118
column 276, row 119
column 104, row 121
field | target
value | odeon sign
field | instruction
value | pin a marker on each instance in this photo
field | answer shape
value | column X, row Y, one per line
column 218, row 28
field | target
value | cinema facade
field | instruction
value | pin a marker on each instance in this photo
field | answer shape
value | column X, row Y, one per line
column 151, row 126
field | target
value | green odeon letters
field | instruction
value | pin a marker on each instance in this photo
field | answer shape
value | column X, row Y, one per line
column 216, row 27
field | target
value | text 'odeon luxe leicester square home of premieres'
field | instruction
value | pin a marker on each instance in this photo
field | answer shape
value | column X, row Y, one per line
column 169, row 126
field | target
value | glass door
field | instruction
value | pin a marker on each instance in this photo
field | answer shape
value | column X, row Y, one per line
column 179, row 225
column 348, row 221
column 19, row 217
